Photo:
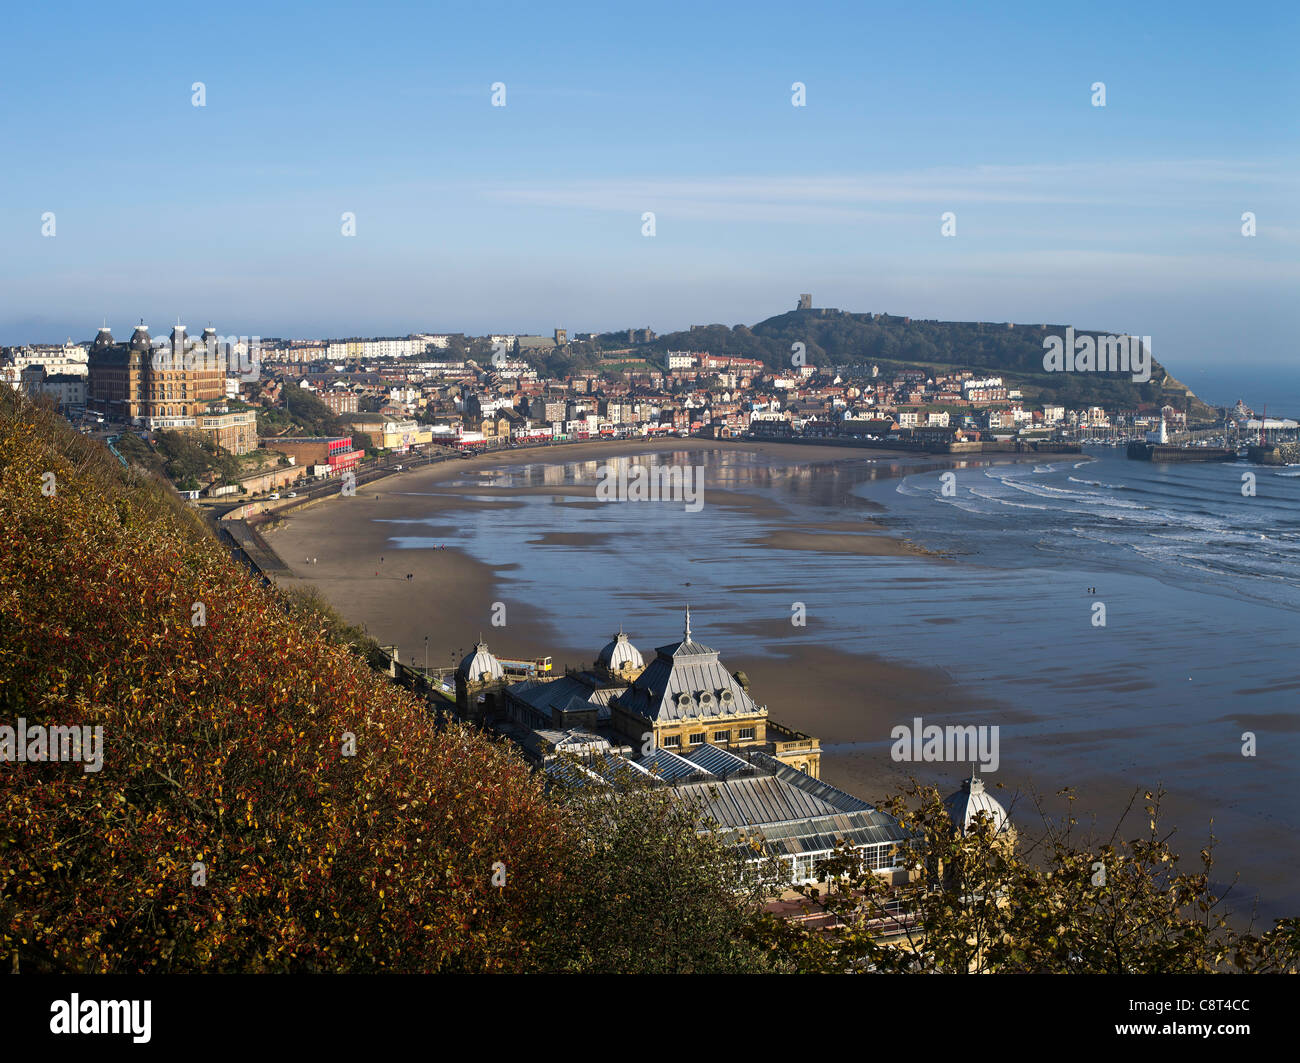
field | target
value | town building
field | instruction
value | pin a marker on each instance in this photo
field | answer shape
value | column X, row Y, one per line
column 233, row 430
column 68, row 390
column 335, row 453
column 682, row 722
column 339, row 401
column 163, row 384
column 354, row 350
column 57, row 359
column 684, row 698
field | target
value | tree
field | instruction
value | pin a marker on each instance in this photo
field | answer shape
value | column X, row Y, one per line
column 304, row 413
column 979, row 902
column 657, row 891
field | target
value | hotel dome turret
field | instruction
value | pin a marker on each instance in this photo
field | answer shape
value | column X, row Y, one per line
column 479, row 680
column 972, row 799
column 480, row 666
column 620, row 658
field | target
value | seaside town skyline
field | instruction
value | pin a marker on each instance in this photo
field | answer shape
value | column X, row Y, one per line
column 497, row 389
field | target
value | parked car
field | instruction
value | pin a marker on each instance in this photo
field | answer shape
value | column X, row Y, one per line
column 274, row 496
column 293, row 494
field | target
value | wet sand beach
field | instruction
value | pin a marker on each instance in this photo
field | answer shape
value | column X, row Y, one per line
column 451, row 596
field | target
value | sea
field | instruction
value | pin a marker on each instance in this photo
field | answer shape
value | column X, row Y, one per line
column 1138, row 621
column 1275, row 387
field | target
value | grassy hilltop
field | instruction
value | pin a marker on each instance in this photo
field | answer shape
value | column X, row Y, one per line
column 835, row 337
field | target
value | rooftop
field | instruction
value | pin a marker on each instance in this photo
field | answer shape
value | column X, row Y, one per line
column 687, row 681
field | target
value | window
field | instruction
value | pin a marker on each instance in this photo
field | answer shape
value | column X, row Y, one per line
column 880, row 857
column 672, row 740
column 802, row 868
column 697, row 740
column 746, row 732
column 722, row 736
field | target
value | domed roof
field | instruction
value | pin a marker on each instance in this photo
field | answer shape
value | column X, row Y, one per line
column 479, row 664
column 620, row 654
column 972, row 799
column 103, row 338
column 140, row 338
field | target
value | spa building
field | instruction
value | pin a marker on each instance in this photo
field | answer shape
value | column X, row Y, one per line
column 685, row 722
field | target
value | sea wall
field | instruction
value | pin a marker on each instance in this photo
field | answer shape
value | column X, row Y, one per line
column 1164, row 455
column 1275, row 454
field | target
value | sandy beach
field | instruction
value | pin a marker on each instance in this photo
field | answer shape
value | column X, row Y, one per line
column 450, row 598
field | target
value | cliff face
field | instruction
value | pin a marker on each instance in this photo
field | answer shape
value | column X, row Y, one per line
column 1196, row 409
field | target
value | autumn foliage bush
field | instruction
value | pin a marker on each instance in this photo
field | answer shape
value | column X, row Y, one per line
column 227, row 829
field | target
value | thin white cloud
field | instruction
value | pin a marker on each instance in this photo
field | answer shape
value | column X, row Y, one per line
column 831, row 199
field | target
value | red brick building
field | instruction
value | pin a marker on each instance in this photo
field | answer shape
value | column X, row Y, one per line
column 335, row 451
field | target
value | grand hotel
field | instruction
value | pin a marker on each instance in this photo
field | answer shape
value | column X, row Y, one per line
column 128, row 383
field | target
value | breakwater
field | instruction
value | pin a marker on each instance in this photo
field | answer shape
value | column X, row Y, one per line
column 1274, row 453
column 1164, row 455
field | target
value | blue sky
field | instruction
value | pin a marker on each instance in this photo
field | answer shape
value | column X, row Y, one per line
column 477, row 218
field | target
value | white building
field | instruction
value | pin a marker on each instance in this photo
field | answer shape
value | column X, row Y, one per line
column 372, row 349
column 69, row 359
